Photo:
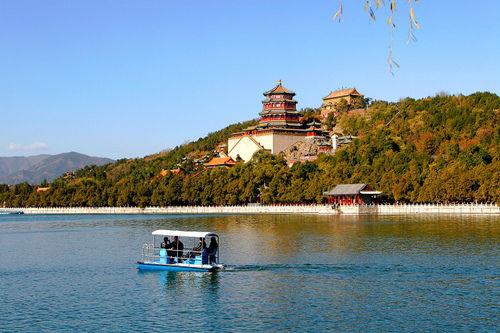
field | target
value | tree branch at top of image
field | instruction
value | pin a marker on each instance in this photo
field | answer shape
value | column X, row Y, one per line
column 371, row 7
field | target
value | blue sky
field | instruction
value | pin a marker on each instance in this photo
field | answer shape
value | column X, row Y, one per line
column 130, row 78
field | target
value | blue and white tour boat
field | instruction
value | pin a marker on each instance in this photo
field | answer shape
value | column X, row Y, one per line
column 181, row 251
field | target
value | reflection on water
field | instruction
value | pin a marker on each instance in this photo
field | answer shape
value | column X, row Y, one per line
column 185, row 282
column 312, row 273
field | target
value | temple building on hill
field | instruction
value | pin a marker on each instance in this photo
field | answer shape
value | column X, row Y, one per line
column 220, row 162
column 280, row 126
column 330, row 102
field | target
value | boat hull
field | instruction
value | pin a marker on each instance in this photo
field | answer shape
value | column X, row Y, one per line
column 151, row 265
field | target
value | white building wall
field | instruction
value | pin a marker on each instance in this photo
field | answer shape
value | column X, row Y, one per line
column 243, row 147
column 283, row 141
column 265, row 140
column 231, row 142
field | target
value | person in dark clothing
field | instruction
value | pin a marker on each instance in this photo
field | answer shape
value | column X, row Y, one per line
column 212, row 250
column 177, row 248
column 166, row 243
column 198, row 248
column 168, row 246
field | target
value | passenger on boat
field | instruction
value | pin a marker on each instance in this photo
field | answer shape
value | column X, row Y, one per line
column 166, row 243
column 212, row 250
column 198, row 248
column 177, row 248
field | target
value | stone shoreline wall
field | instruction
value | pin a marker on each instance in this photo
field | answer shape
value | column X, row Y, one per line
column 385, row 209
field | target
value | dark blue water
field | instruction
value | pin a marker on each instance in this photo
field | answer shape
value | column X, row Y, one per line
column 286, row 273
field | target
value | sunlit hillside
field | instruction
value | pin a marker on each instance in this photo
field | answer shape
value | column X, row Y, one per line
column 436, row 149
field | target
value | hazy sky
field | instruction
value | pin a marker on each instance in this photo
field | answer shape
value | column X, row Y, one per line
column 129, row 78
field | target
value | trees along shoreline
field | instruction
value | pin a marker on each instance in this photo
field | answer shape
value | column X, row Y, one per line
column 436, row 149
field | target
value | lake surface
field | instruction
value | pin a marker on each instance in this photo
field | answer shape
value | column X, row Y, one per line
column 286, row 273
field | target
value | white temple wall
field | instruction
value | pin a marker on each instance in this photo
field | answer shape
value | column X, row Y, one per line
column 283, row 141
column 265, row 140
column 244, row 146
column 231, row 142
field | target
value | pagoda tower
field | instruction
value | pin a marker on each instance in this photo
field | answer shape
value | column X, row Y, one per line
column 280, row 126
column 279, row 109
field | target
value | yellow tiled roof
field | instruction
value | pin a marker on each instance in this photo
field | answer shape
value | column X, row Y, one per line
column 342, row 93
column 279, row 89
column 220, row 161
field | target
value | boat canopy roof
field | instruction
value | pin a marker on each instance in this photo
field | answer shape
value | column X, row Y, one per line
column 181, row 233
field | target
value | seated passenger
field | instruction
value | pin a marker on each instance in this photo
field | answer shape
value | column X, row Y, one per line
column 212, row 250
column 198, row 248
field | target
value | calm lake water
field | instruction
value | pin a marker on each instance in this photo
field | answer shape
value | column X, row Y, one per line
column 286, row 273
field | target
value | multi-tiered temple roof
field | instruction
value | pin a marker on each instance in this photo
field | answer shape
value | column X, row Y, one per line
column 279, row 113
column 279, row 109
column 280, row 126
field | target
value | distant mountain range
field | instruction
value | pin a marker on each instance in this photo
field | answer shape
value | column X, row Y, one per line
column 34, row 169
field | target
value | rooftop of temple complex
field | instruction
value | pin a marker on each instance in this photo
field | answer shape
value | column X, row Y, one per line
column 279, row 109
column 347, row 189
column 343, row 93
column 279, row 89
column 220, row 162
column 279, row 114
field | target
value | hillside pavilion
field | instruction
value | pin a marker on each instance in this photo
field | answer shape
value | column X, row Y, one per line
column 352, row 194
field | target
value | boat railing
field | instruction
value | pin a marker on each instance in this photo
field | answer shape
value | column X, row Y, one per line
column 151, row 252
column 148, row 250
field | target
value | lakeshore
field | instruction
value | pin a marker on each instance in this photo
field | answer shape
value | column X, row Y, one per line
column 381, row 209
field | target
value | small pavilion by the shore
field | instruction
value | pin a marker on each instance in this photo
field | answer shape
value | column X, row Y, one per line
column 352, row 194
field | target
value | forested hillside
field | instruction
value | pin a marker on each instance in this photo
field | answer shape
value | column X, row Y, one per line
column 437, row 149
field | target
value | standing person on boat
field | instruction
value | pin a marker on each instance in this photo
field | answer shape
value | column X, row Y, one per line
column 212, row 250
column 167, row 245
column 164, row 252
column 177, row 247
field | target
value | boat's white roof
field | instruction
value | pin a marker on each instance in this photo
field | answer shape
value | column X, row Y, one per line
column 181, row 233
